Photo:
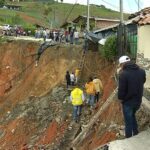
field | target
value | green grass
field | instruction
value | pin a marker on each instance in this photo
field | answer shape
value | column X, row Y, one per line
column 58, row 14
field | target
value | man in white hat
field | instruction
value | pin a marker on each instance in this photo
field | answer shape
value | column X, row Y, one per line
column 130, row 91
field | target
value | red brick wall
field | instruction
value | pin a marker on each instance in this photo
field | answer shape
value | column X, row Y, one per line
column 104, row 23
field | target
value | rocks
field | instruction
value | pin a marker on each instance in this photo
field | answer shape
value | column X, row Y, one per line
column 143, row 62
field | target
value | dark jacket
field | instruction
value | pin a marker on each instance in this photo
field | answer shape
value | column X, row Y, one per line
column 131, row 81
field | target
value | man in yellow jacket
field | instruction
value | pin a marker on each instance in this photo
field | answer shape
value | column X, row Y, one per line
column 77, row 99
column 77, row 71
column 98, row 87
column 90, row 91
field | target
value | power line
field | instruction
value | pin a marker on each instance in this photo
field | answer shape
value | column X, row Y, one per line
column 138, row 4
column 114, row 6
column 70, row 11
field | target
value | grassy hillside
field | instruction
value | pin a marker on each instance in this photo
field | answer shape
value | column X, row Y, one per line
column 46, row 13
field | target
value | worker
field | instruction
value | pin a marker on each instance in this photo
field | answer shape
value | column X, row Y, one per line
column 90, row 91
column 72, row 78
column 68, row 81
column 98, row 87
column 77, row 71
column 77, row 99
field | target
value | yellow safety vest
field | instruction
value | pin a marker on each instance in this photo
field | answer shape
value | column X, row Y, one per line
column 76, row 95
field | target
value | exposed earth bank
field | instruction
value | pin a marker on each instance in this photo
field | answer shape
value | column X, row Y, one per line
column 35, row 111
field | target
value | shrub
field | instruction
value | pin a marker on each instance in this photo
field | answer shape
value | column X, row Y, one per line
column 109, row 50
column 29, row 28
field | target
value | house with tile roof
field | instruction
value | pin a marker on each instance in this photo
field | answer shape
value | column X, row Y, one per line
column 142, row 18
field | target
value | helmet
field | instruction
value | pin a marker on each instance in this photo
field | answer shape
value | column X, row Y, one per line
column 123, row 59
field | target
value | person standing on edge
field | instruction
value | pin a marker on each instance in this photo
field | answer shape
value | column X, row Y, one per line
column 98, row 87
column 76, row 36
column 68, row 79
column 90, row 90
column 77, row 99
column 130, row 91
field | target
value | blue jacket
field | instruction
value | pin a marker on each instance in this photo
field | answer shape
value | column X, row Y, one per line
column 131, row 81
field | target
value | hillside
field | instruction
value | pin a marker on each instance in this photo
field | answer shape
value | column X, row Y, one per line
column 35, row 111
column 47, row 13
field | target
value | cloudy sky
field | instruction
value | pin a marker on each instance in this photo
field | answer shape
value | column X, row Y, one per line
column 129, row 5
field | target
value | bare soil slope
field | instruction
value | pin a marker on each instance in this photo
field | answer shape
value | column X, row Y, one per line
column 34, row 107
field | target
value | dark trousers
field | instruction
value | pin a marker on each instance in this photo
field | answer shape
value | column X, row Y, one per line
column 97, row 97
column 68, row 83
column 131, row 127
column 72, row 83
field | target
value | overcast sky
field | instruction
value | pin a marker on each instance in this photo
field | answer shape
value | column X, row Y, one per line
column 129, row 5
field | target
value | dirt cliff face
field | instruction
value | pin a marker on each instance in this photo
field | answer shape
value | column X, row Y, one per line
column 35, row 111
column 29, row 115
column 21, row 82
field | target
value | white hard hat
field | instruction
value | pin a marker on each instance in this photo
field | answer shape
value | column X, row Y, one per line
column 123, row 59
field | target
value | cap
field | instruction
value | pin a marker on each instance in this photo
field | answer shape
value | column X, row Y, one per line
column 123, row 59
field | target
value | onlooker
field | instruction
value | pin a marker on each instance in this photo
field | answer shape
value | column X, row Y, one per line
column 76, row 36
column 44, row 35
column 77, row 98
column 72, row 78
column 130, row 91
column 68, row 79
column 66, row 36
column 90, row 90
column 71, row 36
column 98, row 87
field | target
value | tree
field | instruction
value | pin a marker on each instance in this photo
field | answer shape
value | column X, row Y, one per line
column 110, row 48
column 2, row 2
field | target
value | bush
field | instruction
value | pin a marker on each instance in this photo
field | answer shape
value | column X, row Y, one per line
column 30, row 28
column 109, row 50
column 2, row 2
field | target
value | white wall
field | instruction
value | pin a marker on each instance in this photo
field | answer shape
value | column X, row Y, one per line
column 144, row 40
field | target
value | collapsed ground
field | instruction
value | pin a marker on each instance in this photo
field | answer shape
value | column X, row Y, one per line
column 34, row 108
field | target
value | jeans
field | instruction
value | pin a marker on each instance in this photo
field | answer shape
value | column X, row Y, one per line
column 91, row 99
column 77, row 112
column 131, row 127
column 71, row 40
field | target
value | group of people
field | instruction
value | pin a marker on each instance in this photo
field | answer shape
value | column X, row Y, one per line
column 72, row 78
column 71, row 36
column 93, row 90
column 130, row 92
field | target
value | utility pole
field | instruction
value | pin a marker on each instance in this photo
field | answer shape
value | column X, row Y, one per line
column 121, row 11
column 88, row 15
column 120, row 37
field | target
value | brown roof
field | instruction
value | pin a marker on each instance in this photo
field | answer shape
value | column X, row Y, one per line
column 94, row 18
column 142, row 17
